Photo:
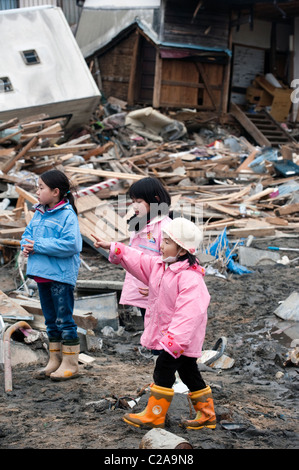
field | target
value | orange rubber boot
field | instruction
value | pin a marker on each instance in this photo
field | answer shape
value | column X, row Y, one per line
column 153, row 416
column 204, row 406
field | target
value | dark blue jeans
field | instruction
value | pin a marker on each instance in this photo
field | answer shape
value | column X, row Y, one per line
column 57, row 302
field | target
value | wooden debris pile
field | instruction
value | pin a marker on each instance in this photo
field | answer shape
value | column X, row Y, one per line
column 214, row 177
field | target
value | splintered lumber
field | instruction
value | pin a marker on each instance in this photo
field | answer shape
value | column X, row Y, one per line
column 104, row 173
column 9, row 136
column 87, row 203
column 99, row 150
column 12, row 232
column 226, row 210
column 10, row 242
column 10, row 310
column 158, row 438
column 102, row 221
column 259, row 195
column 33, row 307
column 8, row 165
column 286, row 210
column 244, row 166
column 276, row 221
column 59, row 149
column 26, row 195
column 7, row 124
column 255, row 231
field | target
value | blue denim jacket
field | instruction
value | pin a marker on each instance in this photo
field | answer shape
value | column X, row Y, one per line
column 57, row 243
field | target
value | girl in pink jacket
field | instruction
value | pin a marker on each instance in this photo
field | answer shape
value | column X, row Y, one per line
column 175, row 320
column 151, row 204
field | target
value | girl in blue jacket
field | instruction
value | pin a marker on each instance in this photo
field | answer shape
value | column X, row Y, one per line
column 52, row 242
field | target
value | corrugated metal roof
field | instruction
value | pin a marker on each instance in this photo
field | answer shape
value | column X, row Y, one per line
column 152, row 35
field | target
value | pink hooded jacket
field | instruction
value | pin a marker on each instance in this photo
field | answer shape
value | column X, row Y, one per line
column 176, row 315
column 148, row 240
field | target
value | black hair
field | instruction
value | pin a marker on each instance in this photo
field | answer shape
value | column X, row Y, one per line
column 57, row 179
column 191, row 258
column 153, row 192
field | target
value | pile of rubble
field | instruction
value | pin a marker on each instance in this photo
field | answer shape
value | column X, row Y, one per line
column 213, row 176
column 233, row 188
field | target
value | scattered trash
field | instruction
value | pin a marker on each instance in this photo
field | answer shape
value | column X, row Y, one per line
column 220, row 249
column 293, row 355
column 215, row 357
column 289, row 309
column 233, row 426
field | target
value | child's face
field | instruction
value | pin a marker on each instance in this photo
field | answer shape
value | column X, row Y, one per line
column 46, row 195
column 169, row 248
column 141, row 208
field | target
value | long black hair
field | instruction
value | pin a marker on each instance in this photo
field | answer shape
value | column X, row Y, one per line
column 153, row 192
column 57, row 179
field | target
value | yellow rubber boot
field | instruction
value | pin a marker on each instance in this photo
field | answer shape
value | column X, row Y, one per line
column 54, row 359
column 69, row 367
column 153, row 416
column 203, row 404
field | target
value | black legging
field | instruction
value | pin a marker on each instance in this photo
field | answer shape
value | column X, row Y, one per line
column 167, row 365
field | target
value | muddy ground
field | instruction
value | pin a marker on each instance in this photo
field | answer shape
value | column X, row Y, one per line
column 256, row 401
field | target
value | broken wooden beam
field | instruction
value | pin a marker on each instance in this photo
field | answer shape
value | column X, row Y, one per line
column 26, row 195
column 104, row 173
column 286, row 210
column 8, row 165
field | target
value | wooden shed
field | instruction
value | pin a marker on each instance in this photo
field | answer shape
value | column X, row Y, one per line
column 202, row 54
column 184, row 62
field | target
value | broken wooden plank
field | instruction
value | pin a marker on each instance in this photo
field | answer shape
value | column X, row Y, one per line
column 10, row 310
column 8, row 165
column 104, row 173
column 255, row 231
column 10, row 242
column 244, row 166
column 59, row 150
column 12, row 232
column 259, row 195
column 276, row 221
column 221, row 208
column 7, row 124
column 26, row 195
column 285, row 210
column 87, row 203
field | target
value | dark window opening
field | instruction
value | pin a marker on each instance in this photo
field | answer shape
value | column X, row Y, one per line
column 30, row 57
column 5, row 85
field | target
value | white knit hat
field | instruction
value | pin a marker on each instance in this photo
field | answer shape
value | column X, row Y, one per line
column 185, row 233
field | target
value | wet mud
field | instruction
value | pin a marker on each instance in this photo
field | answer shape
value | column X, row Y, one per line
column 256, row 400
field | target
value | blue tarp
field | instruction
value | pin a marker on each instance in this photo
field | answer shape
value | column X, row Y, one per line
column 221, row 246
